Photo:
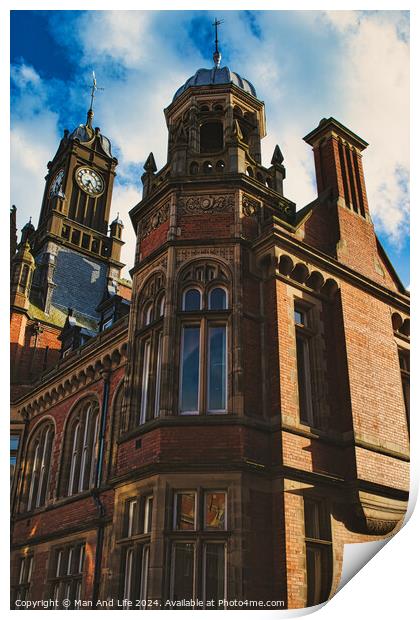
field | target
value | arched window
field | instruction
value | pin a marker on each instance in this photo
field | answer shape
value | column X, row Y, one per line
column 79, row 465
column 191, row 300
column 24, row 277
column 211, row 137
column 39, row 460
column 149, row 351
column 194, row 167
column 217, row 299
column 203, row 360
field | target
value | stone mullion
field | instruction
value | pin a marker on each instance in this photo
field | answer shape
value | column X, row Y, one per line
column 156, row 582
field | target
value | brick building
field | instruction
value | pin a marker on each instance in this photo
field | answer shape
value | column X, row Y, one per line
column 222, row 429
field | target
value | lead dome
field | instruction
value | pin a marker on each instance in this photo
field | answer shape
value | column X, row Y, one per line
column 209, row 77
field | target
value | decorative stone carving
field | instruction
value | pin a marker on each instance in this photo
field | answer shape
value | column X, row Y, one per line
column 250, row 206
column 380, row 527
column 191, row 205
column 155, row 220
column 286, row 208
column 185, row 254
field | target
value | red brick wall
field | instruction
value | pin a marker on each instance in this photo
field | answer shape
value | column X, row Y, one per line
column 375, row 384
column 154, row 239
column 31, row 353
column 206, row 225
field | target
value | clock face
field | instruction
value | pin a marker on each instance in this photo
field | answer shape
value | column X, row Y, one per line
column 90, row 181
column 55, row 186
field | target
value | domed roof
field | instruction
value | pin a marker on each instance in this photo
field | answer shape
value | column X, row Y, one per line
column 217, row 75
column 85, row 133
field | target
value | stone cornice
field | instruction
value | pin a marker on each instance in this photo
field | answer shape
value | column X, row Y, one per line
column 107, row 351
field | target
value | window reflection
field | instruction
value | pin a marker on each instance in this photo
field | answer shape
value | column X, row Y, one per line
column 185, row 511
column 192, row 300
column 190, row 368
column 217, row 299
column 215, row 510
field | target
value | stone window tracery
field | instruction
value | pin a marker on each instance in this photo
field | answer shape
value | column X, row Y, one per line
column 38, row 467
column 204, row 333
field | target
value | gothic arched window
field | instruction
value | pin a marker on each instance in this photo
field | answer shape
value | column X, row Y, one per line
column 203, row 361
column 217, row 298
column 81, row 453
column 191, row 300
column 149, row 357
column 38, row 466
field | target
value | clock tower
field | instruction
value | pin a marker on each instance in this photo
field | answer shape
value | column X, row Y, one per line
column 76, row 258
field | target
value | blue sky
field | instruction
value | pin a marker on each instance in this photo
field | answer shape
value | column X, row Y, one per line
column 305, row 65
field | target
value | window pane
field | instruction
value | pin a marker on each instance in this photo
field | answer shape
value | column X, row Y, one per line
column 147, row 521
column 217, row 299
column 185, row 511
column 158, row 376
column 304, row 384
column 190, row 368
column 145, row 382
column 132, row 517
column 144, row 575
column 217, row 369
column 182, row 572
column 128, row 574
column 299, row 317
column 162, row 306
column 215, row 511
column 192, row 300
column 14, row 442
column 318, row 570
column 148, row 314
column 214, row 586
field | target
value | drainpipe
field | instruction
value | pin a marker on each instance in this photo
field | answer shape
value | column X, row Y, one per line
column 95, row 492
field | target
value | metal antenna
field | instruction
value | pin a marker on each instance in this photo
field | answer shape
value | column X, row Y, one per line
column 217, row 56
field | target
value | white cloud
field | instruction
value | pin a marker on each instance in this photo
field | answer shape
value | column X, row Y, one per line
column 33, row 142
column 359, row 65
column 124, row 198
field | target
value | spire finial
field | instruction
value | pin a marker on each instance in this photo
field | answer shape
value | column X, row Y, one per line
column 217, row 56
column 94, row 88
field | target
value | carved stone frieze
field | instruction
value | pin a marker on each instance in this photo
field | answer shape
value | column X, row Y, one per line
column 185, row 254
column 191, row 205
column 154, row 220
